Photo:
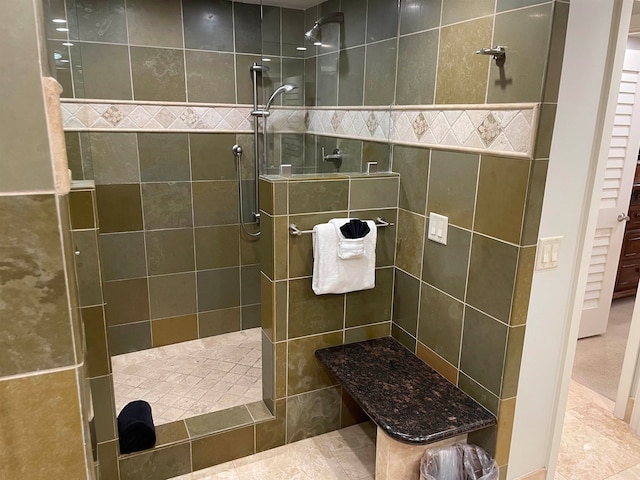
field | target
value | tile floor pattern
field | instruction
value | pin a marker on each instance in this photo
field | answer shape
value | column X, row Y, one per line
column 192, row 378
column 595, row 445
column 347, row 454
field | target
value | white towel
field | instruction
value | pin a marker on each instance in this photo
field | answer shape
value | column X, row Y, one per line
column 332, row 274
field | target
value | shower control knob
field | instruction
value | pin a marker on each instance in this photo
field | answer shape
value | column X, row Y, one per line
column 237, row 150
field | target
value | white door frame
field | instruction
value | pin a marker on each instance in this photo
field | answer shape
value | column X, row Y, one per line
column 594, row 52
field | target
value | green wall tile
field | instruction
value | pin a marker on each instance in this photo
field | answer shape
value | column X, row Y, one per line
column 386, row 241
column 170, row 251
column 355, row 16
column 167, row 205
column 158, row 74
column 483, row 346
column 218, row 289
column 74, row 155
column 250, row 285
column 272, row 434
column 372, row 193
column 119, row 208
column 502, row 191
column 367, row 332
column 87, row 267
column 406, row 299
column 462, row 75
column 247, row 28
column 504, row 5
column 131, row 337
column 327, row 80
column 167, row 331
column 492, row 271
column 81, row 210
column 122, row 256
column 351, row 76
column 172, row 295
column 210, row 156
column 164, row 156
column 522, row 289
column 310, row 313
column 379, row 85
column 533, row 208
column 108, row 459
column 454, row 11
column 208, row 25
column 313, row 413
column 223, row 447
column 371, row 306
column 217, row 247
column 219, row 421
column 218, row 322
column 47, row 403
column 114, row 157
column 546, row 122
column 169, row 433
column 155, row 24
column 210, row 77
column 305, row 372
column 417, row 15
column 271, row 31
column 556, row 51
column 440, row 323
column 382, row 20
column 97, row 356
column 105, row 72
column 127, row 301
column 215, row 203
column 251, row 316
column 445, row 266
column 480, row 394
column 417, row 58
column 512, row 360
column 292, row 30
column 103, row 22
column 413, row 166
column 452, row 186
column 318, row 196
column 526, row 33
column 410, row 240
column 157, row 464
column 403, row 337
column 436, row 362
column 244, row 82
column 104, row 408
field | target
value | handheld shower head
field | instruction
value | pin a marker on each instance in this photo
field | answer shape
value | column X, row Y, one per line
column 286, row 88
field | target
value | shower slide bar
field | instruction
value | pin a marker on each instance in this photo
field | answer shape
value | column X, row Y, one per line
column 294, row 230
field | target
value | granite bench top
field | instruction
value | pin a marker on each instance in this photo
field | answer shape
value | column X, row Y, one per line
column 409, row 400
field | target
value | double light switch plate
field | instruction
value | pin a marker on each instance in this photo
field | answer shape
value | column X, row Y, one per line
column 438, row 226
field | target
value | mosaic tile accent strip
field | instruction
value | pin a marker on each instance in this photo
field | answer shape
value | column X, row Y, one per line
column 155, row 117
column 487, row 130
column 507, row 129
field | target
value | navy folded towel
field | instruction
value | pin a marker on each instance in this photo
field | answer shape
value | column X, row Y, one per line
column 135, row 427
column 355, row 228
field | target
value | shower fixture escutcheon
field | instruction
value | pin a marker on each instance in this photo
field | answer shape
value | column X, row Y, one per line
column 498, row 53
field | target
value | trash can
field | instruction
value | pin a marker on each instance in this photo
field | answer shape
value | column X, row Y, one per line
column 461, row 461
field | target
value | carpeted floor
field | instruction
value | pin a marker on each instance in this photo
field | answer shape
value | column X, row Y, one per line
column 598, row 360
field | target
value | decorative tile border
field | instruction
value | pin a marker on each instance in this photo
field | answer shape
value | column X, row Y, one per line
column 100, row 116
column 507, row 129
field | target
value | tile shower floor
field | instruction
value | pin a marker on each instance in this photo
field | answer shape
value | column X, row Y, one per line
column 192, row 378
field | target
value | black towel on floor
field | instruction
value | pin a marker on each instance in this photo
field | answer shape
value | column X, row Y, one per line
column 135, row 427
column 355, row 228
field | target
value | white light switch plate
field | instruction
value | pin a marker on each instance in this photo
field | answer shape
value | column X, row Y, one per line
column 438, row 227
column 548, row 253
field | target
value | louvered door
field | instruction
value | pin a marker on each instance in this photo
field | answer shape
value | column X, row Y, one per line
column 614, row 200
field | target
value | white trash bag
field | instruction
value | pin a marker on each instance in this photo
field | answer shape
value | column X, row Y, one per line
column 461, row 461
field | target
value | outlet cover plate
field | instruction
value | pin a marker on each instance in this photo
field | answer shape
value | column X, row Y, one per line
column 438, row 227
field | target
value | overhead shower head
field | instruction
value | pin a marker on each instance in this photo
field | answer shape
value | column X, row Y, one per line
column 286, row 88
column 315, row 33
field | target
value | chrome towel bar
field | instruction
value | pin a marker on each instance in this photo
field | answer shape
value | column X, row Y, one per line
column 294, row 230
